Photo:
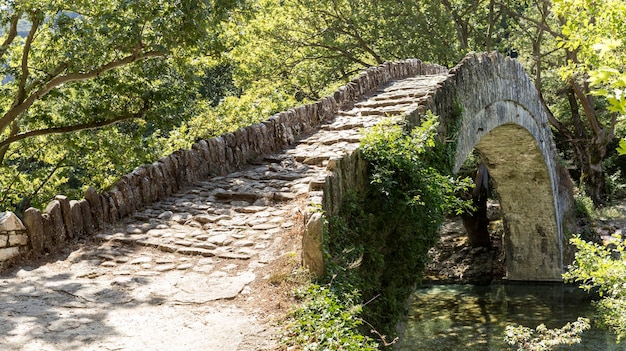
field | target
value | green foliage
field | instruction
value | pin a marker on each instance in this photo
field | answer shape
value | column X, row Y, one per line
column 583, row 206
column 311, row 45
column 217, row 83
column 48, row 165
column 596, row 32
column 603, row 268
column 622, row 147
column 232, row 113
column 566, row 45
column 379, row 241
column 544, row 339
column 127, row 68
column 377, row 245
column 411, row 168
column 327, row 319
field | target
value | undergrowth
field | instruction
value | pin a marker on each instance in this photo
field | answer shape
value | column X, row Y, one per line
column 376, row 246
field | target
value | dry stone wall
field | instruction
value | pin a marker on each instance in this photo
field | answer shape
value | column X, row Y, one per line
column 66, row 219
column 13, row 237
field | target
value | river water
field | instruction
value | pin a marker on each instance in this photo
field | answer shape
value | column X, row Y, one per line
column 473, row 317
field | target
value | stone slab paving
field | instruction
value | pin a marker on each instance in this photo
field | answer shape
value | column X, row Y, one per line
column 171, row 276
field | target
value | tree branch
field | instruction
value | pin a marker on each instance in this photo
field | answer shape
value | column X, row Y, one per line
column 58, row 70
column 14, row 112
column 21, row 92
column 15, row 129
column 11, row 34
column 587, row 105
column 362, row 43
column 341, row 51
column 68, row 129
column 543, row 25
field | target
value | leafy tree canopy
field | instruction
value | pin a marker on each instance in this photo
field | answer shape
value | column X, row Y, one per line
column 70, row 66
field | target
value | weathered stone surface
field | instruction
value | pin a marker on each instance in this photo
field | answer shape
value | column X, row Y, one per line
column 34, row 222
column 526, row 173
column 128, row 196
column 49, row 234
column 77, row 218
column 119, row 205
column 10, row 222
column 312, row 254
column 96, row 207
column 64, row 201
column 106, row 209
column 89, row 225
column 112, row 206
column 57, row 228
column 18, row 240
column 8, row 253
column 196, row 252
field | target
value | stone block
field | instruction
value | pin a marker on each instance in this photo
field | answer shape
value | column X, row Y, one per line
column 106, row 210
column 4, row 240
column 312, row 254
column 96, row 207
column 8, row 253
column 170, row 167
column 18, row 240
column 203, row 146
column 64, row 201
column 114, row 214
column 10, row 222
column 118, row 203
column 160, row 187
column 34, row 224
column 88, row 222
column 132, row 197
column 57, row 227
column 49, row 236
column 77, row 218
column 142, row 189
column 132, row 201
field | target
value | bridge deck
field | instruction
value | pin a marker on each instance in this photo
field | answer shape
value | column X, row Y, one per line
column 208, row 246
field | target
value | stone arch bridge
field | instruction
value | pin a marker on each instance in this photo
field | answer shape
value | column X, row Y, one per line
column 503, row 118
column 489, row 104
column 227, row 197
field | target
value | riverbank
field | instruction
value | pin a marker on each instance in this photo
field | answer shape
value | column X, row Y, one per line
column 453, row 260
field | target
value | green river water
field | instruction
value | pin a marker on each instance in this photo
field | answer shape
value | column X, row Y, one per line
column 473, row 317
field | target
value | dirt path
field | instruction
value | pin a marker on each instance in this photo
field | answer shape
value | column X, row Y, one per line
column 119, row 294
column 183, row 303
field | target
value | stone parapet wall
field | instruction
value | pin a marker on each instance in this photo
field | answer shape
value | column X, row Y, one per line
column 346, row 171
column 65, row 219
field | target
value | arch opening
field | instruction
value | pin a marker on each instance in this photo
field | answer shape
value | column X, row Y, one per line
column 524, row 188
column 523, row 185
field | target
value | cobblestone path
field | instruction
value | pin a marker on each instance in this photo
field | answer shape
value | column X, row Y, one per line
column 185, row 273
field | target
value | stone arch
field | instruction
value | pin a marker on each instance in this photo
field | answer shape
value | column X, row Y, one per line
column 502, row 116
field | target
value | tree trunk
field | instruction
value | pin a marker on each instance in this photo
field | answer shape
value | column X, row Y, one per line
column 476, row 222
column 592, row 177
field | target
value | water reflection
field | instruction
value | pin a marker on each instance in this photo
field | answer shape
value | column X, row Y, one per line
column 473, row 317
